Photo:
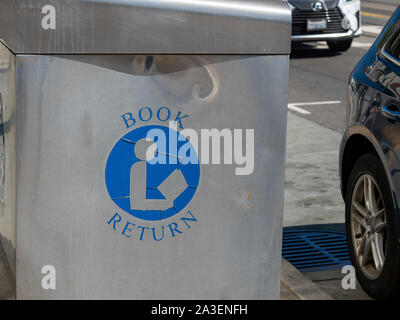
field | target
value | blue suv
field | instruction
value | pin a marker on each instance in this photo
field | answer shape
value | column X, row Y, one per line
column 370, row 165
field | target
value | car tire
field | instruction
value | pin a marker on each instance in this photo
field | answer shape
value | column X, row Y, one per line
column 385, row 284
column 339, row 45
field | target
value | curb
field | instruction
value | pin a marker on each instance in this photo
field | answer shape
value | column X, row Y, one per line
column 299, row 286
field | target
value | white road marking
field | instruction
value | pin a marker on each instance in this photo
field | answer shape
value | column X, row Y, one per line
column 372, row 29
column 295, row 106
column 292, row 106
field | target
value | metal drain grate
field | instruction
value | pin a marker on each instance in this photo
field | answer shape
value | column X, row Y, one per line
column 311, row 249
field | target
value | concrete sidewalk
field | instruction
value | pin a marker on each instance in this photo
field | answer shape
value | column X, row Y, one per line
column 295, row 286
column 312, row 186
column 316, row 285
column 312, row 196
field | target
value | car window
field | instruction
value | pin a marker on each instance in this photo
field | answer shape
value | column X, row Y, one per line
column 393, row 47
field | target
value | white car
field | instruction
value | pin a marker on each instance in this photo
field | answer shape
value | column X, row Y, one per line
column 335, row 21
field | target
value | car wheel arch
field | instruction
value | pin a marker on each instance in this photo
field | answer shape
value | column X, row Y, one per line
column 357, row 144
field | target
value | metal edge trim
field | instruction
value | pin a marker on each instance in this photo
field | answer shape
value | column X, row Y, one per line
column 390, row 57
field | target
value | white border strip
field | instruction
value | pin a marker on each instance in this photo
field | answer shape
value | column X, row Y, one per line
column 295, row 106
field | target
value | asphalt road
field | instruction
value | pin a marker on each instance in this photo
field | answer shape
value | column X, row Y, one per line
column 317, row 91
column 318, row 78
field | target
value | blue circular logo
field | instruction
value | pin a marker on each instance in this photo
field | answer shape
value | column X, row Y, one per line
column 157, row 188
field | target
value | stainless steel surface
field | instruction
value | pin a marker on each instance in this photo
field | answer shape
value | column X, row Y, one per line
column 69, row 118
column 7, row 155
column 321, row 37
column 368, row 226
column 150, row 26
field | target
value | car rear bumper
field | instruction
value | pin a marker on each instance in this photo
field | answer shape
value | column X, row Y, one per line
column 324, row 36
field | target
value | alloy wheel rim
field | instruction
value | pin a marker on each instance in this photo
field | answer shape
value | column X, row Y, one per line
column 368, row 226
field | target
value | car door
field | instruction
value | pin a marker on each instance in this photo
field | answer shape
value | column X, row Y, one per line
column 386, row 126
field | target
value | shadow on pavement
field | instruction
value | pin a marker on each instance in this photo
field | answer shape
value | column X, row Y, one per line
column 309, row 51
